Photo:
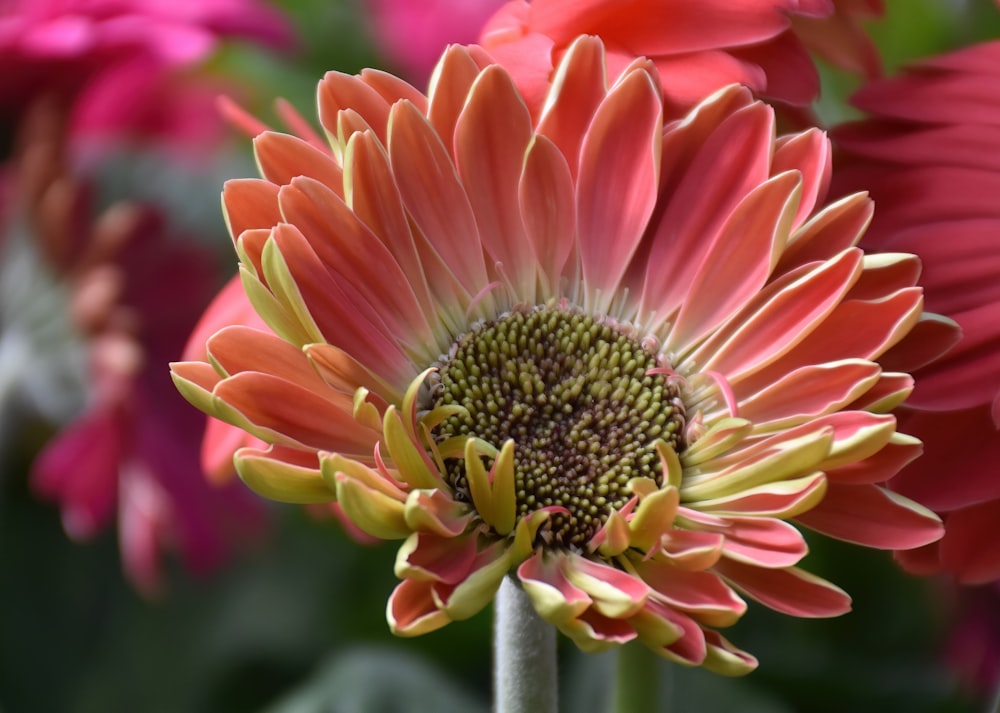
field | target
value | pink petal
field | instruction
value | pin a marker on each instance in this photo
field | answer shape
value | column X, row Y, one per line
column 789, row 590
column 376, row 202
column 764, row 542
column 701, row 595
column 808, row 392
column 548, row 207
column 442, row 559
column 345, row 245
column 809, row 154
column 491, row 138
column 651, row 27
column 412, row 609
column 956, row 443
column 339, row 91
column 283, row 412
column 872, row 516
column 740, row 260
column 283, row 157
column 733, row 159
column 449, row 90
column 250, row 203
column 834, row 229
column 434, row 196
column 621, row 149
column 578, row 88
column 779, row 317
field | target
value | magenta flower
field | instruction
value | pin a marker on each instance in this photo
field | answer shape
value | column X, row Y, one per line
column 92, row 54
column 412, row 34
column 131, row 455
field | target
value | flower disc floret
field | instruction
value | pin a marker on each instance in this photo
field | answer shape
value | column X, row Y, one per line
column 583, row 402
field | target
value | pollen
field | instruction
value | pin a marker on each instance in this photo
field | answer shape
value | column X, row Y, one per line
column 576, row 396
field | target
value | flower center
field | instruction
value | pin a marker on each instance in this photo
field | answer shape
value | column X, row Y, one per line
column 576, row 397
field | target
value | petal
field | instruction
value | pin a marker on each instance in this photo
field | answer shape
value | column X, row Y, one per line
column 548, row 207
column 874, row 517
column 969, row 548
column 578, row 87
column 428, row 556
column 808, row 392
column 789, row 590
column 491, row 138
column 616, row 594
column 282, row 157
column 412, row 610
column 783, row 499
column 779, row 317
column 701, row 595
column 740, row 260
column 435, row 512
column 434, row 196
column 283, row 474
column 249, row 203
column 763, row 542
column 621, row 149
column 555, row 598
column 703, row 189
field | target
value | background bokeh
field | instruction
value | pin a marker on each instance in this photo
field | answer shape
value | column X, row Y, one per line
column 292, row 621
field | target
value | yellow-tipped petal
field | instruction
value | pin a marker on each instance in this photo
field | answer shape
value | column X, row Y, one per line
column 374, row 512
column 479, row 483
column 410, row 460
column 504, row 497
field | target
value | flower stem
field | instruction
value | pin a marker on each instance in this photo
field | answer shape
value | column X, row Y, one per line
column 639, row 684
column 525, row 675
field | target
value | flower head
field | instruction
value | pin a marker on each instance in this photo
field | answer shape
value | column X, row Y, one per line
column 930, row 154
column 610, row 357
column 94, row 296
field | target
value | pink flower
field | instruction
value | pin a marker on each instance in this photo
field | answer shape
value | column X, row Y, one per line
column 930, row 155
column 412, row 34
column 698, row 46
column 611, row 356
column 114, row 60
column 131, row 456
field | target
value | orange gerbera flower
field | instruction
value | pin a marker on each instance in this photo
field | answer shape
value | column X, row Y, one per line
column 609, row 357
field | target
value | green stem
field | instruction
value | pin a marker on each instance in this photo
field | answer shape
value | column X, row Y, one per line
column 639, row 685
column 525, row 674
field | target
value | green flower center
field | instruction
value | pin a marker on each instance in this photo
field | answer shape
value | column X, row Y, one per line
column 576, row 397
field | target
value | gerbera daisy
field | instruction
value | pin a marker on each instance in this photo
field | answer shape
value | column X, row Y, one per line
column 607, row 357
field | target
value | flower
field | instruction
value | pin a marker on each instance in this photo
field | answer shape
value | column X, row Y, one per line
column 93, row 54
column 610, row 357
column 698, row 46
column 129, row 453
column 930, row 155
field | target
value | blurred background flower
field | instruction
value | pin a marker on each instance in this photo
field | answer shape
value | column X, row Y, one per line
column 929, row 153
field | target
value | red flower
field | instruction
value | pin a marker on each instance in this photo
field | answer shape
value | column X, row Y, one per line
column 698, row 46
column 930, row 155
